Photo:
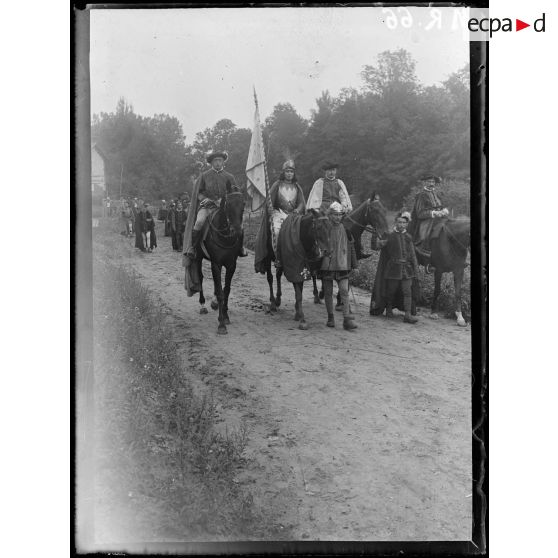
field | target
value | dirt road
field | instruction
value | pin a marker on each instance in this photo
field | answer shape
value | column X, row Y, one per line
column 359, row 435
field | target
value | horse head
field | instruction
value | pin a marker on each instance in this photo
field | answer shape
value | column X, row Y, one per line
column 233, row 206
column 314, row 234
column 376, row 216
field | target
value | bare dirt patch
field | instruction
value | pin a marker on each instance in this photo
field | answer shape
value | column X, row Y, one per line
column 352, row 436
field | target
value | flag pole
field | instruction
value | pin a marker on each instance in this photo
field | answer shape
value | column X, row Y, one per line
column 269, row 205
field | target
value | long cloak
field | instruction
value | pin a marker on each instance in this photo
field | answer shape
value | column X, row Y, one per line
column 192, row 282
column 378, row 298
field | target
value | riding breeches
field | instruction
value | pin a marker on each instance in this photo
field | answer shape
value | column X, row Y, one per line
column 201, row 218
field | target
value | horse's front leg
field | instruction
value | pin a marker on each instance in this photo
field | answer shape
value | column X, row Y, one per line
column 269, row 273
column 203, row 309
column 216, row 272
column 299, row 314
column 229, row 272
column 437, row 288
column 278, row 276
column 457, row 282
column 315, row 290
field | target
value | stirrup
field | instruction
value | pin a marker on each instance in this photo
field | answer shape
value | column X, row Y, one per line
column 428, row 269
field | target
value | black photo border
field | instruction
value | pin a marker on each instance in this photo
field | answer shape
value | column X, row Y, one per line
column 82, row 529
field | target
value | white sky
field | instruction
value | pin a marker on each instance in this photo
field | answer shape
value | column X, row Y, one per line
column 200, row 64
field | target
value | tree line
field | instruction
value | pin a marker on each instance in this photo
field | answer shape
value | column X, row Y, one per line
column 383, row 135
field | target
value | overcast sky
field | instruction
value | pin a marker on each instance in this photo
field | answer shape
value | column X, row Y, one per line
column 200, row 64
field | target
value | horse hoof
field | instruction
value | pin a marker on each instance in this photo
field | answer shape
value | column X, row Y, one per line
column 214, row 305
column 461, row 322
column 227, row 321
column 434, row 316
column 203, row 310
column 273, row 308
column 303, row 325
column 296, row 318
column 278, row 301
column 222, row 330
column 317, row 300
column 321, row 295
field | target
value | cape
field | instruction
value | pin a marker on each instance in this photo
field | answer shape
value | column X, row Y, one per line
column 291, row 252
column 192, row 282
column 378, row 298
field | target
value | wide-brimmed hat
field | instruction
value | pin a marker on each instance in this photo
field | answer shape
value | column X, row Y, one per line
column 288, row 165
column 329, row 165
column 223, row 154
column 437, row 179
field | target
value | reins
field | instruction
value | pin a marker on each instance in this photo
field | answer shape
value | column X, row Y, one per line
column 366, row 227
column 222, row 232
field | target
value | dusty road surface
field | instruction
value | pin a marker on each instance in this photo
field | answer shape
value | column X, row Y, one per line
column 360, row 435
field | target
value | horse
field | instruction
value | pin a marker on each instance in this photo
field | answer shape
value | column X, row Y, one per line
column 221, row 247
column 368, row 216
column 313, row 243
column 448, row 254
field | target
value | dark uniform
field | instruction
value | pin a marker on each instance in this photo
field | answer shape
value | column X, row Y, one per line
column 213, row 186
column 401, row 268
column 178, row 224
column 422, row 219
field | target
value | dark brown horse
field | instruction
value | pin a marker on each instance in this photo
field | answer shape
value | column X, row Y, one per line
column 449, row 254
column 222, row 246
column 313, row 243
column 368, row 216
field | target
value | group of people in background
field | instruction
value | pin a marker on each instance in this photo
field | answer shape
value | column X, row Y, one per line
column 174, row 217
column 138, row 219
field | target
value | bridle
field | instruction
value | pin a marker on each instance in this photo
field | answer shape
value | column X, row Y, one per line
column 316, row 245
column 226, row 231
column 366, row 227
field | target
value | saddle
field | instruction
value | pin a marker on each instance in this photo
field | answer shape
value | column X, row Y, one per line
column 438, row 225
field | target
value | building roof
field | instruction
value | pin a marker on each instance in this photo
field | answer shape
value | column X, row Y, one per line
column 95, row 147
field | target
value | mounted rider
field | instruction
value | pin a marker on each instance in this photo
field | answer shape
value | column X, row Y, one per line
column 211, row 187
column 427, row 213
column 329, row 189
column 286, row 197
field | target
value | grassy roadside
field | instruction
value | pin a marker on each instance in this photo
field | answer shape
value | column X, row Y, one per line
column 163, row 472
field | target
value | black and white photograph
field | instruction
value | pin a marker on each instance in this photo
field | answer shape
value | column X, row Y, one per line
column 279, row 225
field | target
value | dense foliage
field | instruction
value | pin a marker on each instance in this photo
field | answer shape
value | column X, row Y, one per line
column 383, row 135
